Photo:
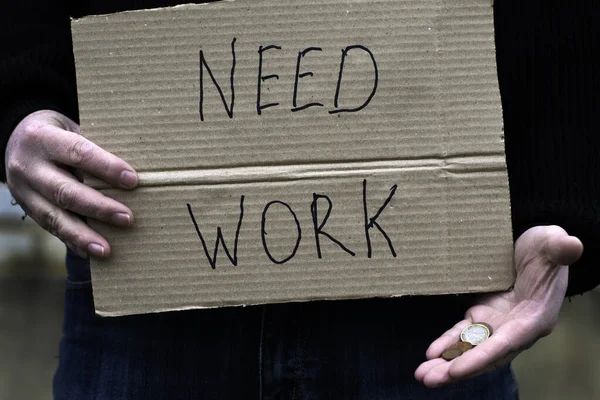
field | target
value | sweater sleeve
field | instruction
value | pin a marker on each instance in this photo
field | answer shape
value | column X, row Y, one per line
column 36, row 64
column 550, row 90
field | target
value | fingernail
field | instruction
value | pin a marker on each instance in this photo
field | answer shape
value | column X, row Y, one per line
column 121, row 219
column 96, row 250
column 128, row 179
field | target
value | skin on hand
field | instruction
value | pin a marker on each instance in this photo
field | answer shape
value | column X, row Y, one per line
column 41, row 151
column 518, row 317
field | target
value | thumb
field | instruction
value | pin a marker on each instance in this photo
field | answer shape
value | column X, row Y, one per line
column 558, row 247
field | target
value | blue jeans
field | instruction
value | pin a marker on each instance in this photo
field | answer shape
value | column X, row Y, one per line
column 359, row 349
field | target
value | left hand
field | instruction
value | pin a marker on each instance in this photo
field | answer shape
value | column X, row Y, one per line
column 518, row 317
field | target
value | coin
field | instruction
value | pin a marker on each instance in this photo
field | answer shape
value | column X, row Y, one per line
column 487, row 326
column 456, row 350
column 476, row 333
column 464, row 346
column 451, row 353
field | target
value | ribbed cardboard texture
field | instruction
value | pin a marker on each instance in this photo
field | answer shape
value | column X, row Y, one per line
column 370, row 165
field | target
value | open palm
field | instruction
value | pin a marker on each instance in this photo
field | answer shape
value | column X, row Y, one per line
column 518, row 317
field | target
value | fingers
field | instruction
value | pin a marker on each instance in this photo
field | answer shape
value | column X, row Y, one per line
column 40, row 148
column 484, row 356
column 62, row 189
column 74, row 150
column 438, row 372
column 435, row 376
column 502, row 347
column 481, row 359
column 66, row 226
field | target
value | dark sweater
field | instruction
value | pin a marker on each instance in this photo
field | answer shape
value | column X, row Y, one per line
column 549, row 84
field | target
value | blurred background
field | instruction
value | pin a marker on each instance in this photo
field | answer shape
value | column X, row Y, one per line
column 564, row 365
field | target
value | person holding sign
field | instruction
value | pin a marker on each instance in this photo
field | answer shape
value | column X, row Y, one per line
column 360, row 349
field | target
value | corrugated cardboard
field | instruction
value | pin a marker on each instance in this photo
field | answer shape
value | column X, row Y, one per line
column 371, row 164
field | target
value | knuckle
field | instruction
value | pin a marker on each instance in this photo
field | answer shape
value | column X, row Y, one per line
column 555, row 230
column 64, row 196
column 51, row 222
column 32, row 131
column 80, row 151
column 100, row 214
column 14, row 167
column 78, row 240
column 104, row 163
column 13, row 188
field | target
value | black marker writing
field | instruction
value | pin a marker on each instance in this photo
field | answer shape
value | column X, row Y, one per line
column 302, row 75
column 372, row 222
column 263, row 232
column 213, row 261
column 203, row 64
column 262, row 78
column 339, row 82
column 319, row 227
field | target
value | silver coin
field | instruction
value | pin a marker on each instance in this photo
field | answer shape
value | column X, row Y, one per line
column 475, row 333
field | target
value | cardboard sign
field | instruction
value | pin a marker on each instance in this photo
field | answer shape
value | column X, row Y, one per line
column 291, row 151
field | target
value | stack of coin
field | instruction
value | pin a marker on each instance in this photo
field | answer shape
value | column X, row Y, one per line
column 472, row 335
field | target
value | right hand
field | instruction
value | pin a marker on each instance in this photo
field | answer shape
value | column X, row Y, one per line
column 39, row 154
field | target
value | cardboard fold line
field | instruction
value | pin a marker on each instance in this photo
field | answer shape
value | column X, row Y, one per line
column 234, row 175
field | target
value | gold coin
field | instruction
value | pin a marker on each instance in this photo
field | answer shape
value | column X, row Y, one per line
column 451, row 353
column 464, row 346
column 476, row 333
column 456, row 350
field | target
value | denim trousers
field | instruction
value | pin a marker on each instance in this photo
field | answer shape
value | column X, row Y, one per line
column 354, row 349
